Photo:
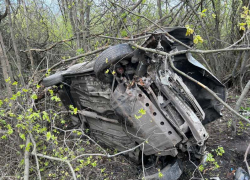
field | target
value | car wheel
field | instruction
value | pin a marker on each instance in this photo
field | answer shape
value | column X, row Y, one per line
column 109, row 57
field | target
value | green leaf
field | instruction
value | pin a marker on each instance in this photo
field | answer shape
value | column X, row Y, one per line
column 198, row 39
column 75, row 111
column 189, row 30
column 94, row 164
column 142, row 111
column 28, row 146
column 14, row 83
column 80, row 51
column 124, row 33
column 18, row 93
column 34, row 96
column 123, row 15
column 160, row 175
column 55, row 98
column 204, row 10
column 10, row 130
column 71, row 107
column 22, row 136
column 201, row 168
column 25, row 90
column 138, row 117
column 51, row 92
column 7, row 80
column 107, row 71
column 13, row 97
column 210, row 157
column 48, row 136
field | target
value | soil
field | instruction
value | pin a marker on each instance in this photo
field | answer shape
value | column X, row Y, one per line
column 234, row 147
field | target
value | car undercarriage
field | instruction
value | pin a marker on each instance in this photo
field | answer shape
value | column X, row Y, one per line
column 129, row 97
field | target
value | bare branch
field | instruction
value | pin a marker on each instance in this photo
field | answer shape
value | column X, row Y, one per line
column 35, row 154
column 26, row 160
column 171, row 37
column 79, row 56
column 125, row 39
column 54, row 158
column 73, row 58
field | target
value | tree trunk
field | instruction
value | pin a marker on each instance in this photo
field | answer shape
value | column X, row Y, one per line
column 6, row 58
column 27, row 38
column 5, row 71
column 87, row 21
column 159, row 10
column 77, row 25
column 166, row 6
column 71, row 18
column 18, row 59
column 63, row 10
column 244, row 63
column 217, row 8
column 237, row 106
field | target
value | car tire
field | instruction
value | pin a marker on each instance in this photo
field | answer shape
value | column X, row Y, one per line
column 113, row 55
column 53, row 80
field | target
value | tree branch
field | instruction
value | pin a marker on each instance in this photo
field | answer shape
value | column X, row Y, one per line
column 26, row 160
column 35, row 154
column 4, row 14
column 124, row 39
column 53, row 158
column 73, row 58
column 79, row 56
column 167, row 34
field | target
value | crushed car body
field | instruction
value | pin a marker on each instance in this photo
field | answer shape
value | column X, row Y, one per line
column 128, row 97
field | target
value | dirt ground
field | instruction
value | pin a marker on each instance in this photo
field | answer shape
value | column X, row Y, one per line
column 221, row 135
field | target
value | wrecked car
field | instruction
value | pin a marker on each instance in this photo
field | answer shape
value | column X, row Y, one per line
column 128, row 96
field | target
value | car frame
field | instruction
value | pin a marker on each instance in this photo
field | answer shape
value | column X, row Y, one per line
column 129, row 97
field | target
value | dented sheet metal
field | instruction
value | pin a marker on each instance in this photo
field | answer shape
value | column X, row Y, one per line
column 128, row 97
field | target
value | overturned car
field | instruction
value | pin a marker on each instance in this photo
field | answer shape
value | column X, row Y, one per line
column 128, row 97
